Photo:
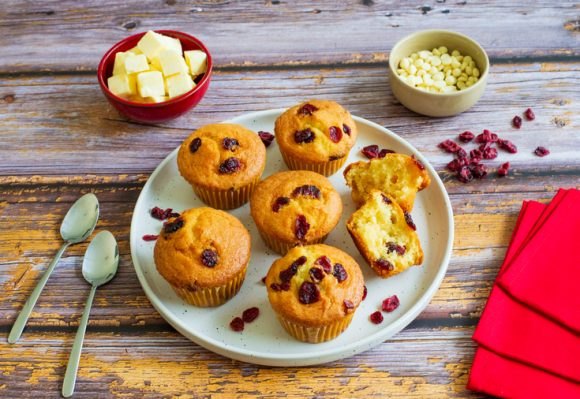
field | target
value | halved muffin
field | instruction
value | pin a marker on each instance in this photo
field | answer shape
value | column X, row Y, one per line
column 385, row 235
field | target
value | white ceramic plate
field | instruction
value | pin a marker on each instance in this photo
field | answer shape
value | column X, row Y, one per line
column 264, row 341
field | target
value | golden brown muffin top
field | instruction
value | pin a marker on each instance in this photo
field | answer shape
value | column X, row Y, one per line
column 316, row 131
column 281, row 203
column 197, row 249
column 222, row 156
column 315, row 285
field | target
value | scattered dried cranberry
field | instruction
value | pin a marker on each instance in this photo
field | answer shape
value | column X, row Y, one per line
column 364, row 293
column 194, row 145
column 386, row 199
column 335, row 134
column 529, row 114
column 541, row 151
column 449, row 146
column 475, row 161
column 490, row 153
column 301, row 227
column 391, row 303
column 464, row 175
column 339, row 272
column 348, row 306
column 230, row 143
column 377, row 317
column 394, row 247
column 486, row 137
column 503, row 169
column 508, row 146
column 304, row 136
column 466, row 136
column 287, row 274
column 384, row 264
column 418, row 163
column 237, row 324
column 346, row 129
column 325, row 263
column 479, row 171
column 409, row 220
column 230, row 165
column 163, row 214
column 209, row 257
column 307, row 190
column 173, row 226
column 308, row 293
column 517, row 122
column 485, row 146
column 371, row 151
column 251, row 314
column 150, row 237
column 457, row 164
column 307, row 109
column 475, row 153
column 279, row 203
column 461, row 153
column 266, row 138
column 383, row 153
column 316, row 274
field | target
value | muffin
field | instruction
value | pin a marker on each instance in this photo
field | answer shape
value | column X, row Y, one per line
column 398, row 175
column 295, row 208
column 197, row 256
column 315, row 291
column 385, row 235
column 223, row 163
column 316, row 135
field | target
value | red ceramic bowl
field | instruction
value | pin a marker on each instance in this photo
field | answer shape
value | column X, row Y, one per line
column 158, row 112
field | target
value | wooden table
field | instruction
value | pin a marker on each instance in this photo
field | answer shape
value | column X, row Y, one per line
column 60, row 138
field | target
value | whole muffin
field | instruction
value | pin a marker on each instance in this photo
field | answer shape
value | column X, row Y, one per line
column 315, row 291
column 316, row 135
column 295, row 208
column 223, row 163
column 197, row 256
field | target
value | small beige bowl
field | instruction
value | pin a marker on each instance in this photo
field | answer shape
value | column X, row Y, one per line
column 437, row 104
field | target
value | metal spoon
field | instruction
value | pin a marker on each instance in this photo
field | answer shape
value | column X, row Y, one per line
column 99, row 267
column 77, row 225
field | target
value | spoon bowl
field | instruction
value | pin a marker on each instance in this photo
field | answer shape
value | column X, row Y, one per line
column 81, row 219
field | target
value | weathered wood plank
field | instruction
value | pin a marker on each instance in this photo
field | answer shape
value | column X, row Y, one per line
column 243, row 33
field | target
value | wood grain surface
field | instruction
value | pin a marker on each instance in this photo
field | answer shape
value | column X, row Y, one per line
column 59, row 138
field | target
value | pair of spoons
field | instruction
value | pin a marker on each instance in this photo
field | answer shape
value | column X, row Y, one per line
column 99, row 267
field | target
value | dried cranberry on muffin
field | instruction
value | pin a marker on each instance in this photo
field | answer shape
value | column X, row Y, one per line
column 316, row 135
column 295, row 208
column 385, row 235
column 315, row 291
column 223, row 163
column 197, row 256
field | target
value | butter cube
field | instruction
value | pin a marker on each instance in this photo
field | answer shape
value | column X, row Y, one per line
column 150, row 84
column 135, row 50
column 171, row 63
column 172, row 43
column 196, row 59
column 136, row 63
column 179, row 84
column 121, row 85
column 119, row 66
column 156, row 99
column 152, row 43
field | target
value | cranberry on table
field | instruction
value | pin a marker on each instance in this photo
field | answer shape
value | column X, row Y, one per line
column 251, row 314
column 503, row 169
column 507, row 146
column 377, row 317
column 383, row 152
column 479, row 171
column 529, row 114
column 390, row 304
column 150, row 237
column 517, row 121
column 464, row 175
column 466, row 136
column 541, row 151
column 237, row 324
column 371, row 151
column 266, row 138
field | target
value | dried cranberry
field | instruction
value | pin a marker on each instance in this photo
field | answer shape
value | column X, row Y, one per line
column 475, row 153
column 464, row 175
column 508, row 146
column 449, row 146
column 266, row 138
column 339, row 272
column 307, row 109
column 173, row 226
column 457, row 164
column 230, row 143
column 163, row 214
column 316, row 274
column 335, row 134
column 209, row 257
column 251, row 314
column 325, row 263
column 486, row 137
column 503, row 169
column 287, row 274
column 377, row 317
column 237, row 324
column 150, row 237
column 383, row 153
column 346, row 129
column 194, row 145
column 485, row 146
column 304, row 136
column 348, row 306
column 418, row 163
column 308, row 293
column 285, row 286
column 384, row 264
column 529, row 114
column 466, row 136
column 461, row 153
column 279, row 203
column 390, row 304
column 409, row 220
column 479, row 171
column 307, row 190
column 490, row 153
column 230, row 165
column 541, row 151
column 475, row 161
column 301, row 227
column 517, row 122
column 394, row 247
column 364, row 293
column 371, row 151
column 386, row 199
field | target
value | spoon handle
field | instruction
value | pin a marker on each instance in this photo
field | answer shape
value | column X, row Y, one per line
column 70, row 376
column 20, row 322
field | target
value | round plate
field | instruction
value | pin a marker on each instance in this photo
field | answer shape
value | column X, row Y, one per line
column 264, row 341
